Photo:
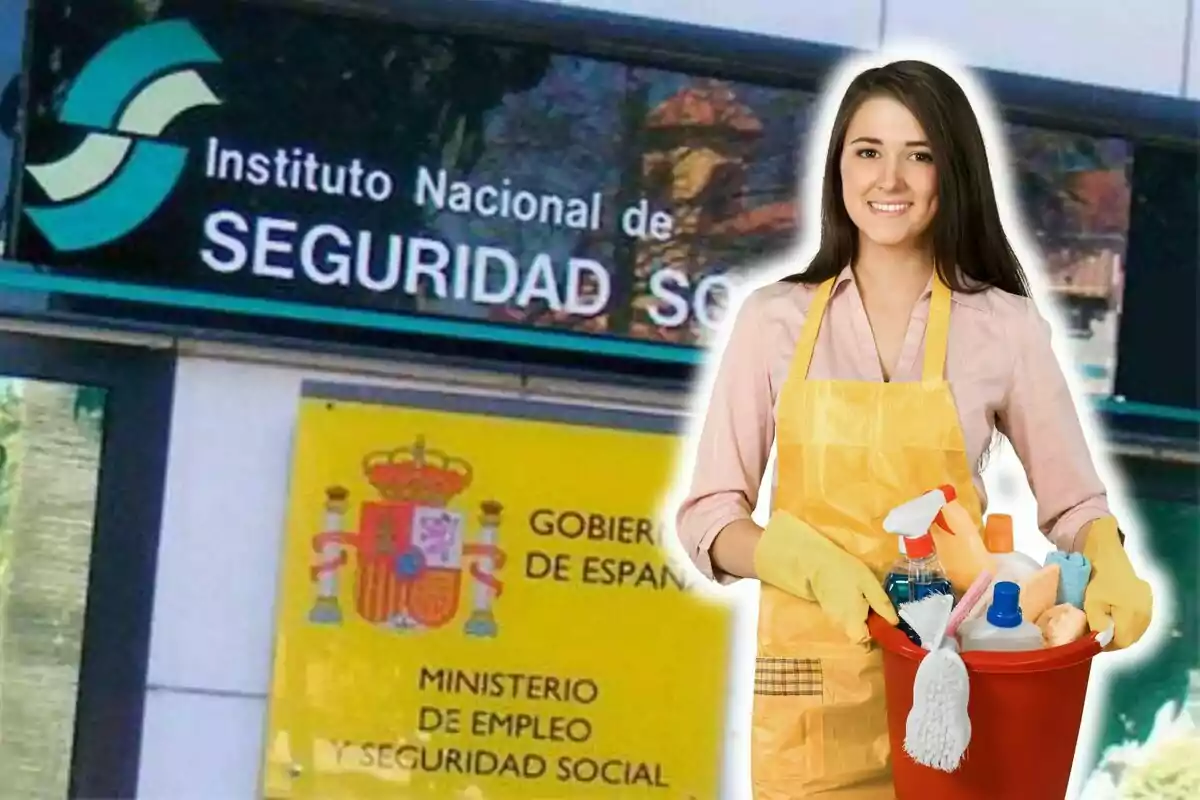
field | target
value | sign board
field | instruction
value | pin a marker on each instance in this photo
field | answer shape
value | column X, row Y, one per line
column 473, row 603
column 195, row 154
column 201, row 155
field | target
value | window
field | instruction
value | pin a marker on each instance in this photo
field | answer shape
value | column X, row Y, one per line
column 50, row 441
column 1075, row 190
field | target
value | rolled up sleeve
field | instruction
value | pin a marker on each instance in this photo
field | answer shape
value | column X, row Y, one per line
column 1041, row 419
column 734, row 442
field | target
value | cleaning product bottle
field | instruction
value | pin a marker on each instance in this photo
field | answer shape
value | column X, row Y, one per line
column 1002, row 628
column 917, row 573
column 1010, row 565
column 963, row 554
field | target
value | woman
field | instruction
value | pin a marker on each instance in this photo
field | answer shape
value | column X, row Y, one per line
column 882, row 371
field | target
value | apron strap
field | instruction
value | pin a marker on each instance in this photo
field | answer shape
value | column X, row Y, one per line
column 937, row 333
column 807, row 342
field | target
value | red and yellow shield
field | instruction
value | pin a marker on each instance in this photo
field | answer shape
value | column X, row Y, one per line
column 397, row 578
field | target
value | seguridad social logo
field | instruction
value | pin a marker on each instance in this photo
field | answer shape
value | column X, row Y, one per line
column 119, row 175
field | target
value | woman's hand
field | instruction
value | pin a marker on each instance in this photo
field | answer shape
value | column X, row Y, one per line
column 793, row 556
column 1115, row 594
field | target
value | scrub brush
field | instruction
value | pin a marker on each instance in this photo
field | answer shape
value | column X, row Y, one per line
column 938, row 729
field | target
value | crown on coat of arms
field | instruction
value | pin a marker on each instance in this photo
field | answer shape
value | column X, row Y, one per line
column 417, row 474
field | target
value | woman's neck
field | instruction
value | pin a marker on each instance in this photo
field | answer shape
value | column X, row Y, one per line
column 892, row 273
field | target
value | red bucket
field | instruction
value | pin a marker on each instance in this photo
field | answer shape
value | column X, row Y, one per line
column 1025, row 711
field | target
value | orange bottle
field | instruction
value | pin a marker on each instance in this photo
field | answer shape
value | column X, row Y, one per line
column 998, row 533
column 998, row 536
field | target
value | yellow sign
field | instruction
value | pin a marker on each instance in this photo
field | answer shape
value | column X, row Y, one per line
column 474, row 605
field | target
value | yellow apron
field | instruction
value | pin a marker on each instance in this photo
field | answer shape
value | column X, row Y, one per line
column 847, row 453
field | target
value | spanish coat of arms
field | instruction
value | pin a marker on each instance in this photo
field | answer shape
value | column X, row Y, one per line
column 410, row 548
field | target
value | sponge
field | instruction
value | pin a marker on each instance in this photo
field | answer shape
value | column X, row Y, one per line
column 1062, row 624
column 1039, row 592
column 1076, row 571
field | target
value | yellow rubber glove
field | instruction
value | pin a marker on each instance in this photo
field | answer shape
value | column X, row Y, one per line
column 1114, row 591
column 791, row 555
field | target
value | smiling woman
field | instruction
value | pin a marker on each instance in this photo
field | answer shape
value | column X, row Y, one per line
column 884, row 369
column 889, row 186
column 915, row 129
column 890, row 192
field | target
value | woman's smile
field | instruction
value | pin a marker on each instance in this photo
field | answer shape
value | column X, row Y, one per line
column 889, row 209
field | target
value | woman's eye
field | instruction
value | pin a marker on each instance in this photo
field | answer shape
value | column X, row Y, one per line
column 924, row 157
column 868, row 152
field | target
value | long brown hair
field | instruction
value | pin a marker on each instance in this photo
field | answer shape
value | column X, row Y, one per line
column 966, row 231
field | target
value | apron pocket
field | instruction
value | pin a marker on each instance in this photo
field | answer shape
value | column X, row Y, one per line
column 788, row 677
column 820, row 725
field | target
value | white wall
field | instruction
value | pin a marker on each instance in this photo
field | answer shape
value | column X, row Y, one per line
column 1117, row 43
column 1128, row 45
column 852, row 23
column 211, row 635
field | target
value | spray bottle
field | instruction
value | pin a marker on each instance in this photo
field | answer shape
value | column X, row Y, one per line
column 917, row 573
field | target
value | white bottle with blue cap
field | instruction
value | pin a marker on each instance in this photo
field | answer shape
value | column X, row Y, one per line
column 1002, row 629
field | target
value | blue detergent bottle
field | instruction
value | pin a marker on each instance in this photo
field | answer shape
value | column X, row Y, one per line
column 1003, row 628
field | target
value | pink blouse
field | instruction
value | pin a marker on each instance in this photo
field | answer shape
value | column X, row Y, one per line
column 1002, row 371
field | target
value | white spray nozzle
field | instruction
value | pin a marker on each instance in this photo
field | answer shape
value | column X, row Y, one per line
column 913, row 519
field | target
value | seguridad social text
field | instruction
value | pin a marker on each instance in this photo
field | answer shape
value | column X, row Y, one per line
column 277, row 247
